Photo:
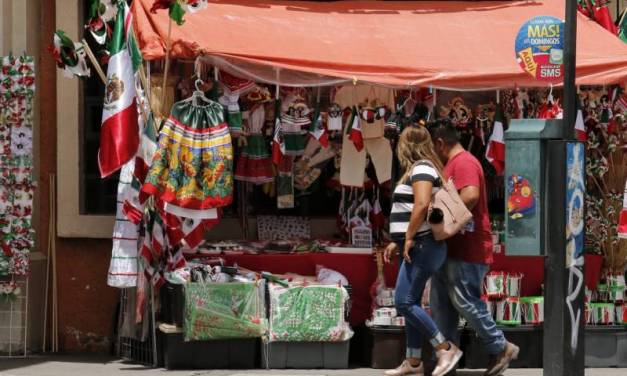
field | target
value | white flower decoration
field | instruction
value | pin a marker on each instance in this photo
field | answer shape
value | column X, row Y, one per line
column 21, row 141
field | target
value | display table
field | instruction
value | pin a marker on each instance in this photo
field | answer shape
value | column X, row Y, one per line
column 361, row 272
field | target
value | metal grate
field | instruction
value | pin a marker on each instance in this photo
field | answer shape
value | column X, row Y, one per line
column 14, row 323
column 139, row 349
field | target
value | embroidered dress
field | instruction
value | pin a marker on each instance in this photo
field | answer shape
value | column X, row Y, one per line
column 255, row 164
column 193, row 166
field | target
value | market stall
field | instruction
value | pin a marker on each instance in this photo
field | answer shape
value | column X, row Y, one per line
column 285, row 115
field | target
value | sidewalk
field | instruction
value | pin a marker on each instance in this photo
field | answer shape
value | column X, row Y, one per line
column 64, row 365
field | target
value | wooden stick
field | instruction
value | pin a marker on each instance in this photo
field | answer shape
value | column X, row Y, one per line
column 94, row 62
column 53, row 219
column 168, row 47
column 49, row 253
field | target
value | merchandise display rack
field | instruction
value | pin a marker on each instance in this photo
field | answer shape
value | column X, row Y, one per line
column 14, row 324
column 132, row 349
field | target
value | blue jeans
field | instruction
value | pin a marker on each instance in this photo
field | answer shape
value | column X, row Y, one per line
column 427, row 256
column 455, row 290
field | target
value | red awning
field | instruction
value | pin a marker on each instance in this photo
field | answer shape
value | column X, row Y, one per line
column 446, row 44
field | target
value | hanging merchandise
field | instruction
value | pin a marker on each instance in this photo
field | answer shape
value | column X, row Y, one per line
column 370, row 103
column 356, row 149
column 232, row 89
column 495, row 152
column 101, row 12
column 354, row 130
column 285, row 183
column 119, row 133
column 233, row 115
column 317, row 129
column 192, row 169
column 377, row 217
column 334, row 118
column 123, row 266
column 307, row 169
column 69, row 55
column 293, row 124
column 254, row 164
column 17, row 86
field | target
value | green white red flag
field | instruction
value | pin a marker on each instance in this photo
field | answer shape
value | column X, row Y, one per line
column 119, row 133
column 317, row 129
column 495, row 152
column 354, row 130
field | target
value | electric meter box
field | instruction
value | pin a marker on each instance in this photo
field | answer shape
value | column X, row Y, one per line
column 525, row 184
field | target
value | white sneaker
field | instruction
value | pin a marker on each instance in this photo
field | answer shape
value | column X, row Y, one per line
column 447, row 360
column 405, row 369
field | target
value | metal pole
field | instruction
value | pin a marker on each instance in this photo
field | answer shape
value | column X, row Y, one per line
column 570, row 91
column 563, row 329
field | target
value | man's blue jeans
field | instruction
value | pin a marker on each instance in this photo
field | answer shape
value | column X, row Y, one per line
column 456, row 290
column 427, row 256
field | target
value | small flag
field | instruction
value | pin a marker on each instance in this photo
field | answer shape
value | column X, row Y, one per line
column 622, row 222
column 495, row 152
column 178, row 8
column 69, row 55
column 354, row 130
column 278, row 143
column 317, row 129
column 580, row 126
column 119, row 133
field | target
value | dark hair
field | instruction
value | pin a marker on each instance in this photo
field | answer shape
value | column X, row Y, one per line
column 443, row 129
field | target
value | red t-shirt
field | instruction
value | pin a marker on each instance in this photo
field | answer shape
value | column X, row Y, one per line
column 474, row 243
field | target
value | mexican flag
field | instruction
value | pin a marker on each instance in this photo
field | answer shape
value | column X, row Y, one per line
column 119, row 134
column 580, row 126
column 622, row 222
column 317, row 129
column 495, row 152
column 278, row 144
column 354, row 130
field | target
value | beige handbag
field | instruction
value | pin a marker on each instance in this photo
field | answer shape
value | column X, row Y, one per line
column 447, row 213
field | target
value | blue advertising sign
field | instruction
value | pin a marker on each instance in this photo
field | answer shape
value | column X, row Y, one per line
column 540, row 48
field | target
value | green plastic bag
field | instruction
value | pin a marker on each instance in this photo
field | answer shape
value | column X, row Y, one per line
column 312, row 313
column 224, row 310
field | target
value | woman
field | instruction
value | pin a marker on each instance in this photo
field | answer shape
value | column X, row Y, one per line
column 422, row 254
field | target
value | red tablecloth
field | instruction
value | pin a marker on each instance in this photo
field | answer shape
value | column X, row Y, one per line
column 361, row 272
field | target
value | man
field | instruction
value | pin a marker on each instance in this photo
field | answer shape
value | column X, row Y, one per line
column 456, row 287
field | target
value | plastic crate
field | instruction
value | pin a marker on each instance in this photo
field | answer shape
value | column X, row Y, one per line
column 388, row 347
column 172, row 304
column 528, row 338
column 216, row 354
column 602, row 346
column 305, row 355
column 622, row 349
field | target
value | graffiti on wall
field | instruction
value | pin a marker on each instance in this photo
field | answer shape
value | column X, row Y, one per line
column 575, row 203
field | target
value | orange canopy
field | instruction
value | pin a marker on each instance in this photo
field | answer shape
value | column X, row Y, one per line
column 444, row 44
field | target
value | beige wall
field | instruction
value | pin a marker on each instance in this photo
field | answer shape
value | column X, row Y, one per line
column 20, row 22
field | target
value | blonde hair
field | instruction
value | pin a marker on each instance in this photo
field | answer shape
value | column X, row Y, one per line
column 415, row 144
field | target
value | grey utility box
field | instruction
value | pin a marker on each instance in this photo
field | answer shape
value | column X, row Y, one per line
column 525, row 184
